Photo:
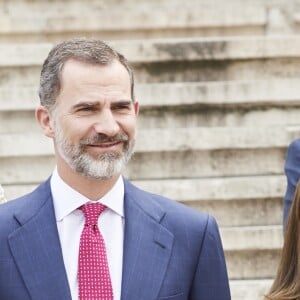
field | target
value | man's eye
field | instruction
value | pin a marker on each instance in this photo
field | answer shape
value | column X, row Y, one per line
column 121, row 107
column 86, row 109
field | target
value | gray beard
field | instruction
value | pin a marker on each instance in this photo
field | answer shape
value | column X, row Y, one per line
column 104, row 166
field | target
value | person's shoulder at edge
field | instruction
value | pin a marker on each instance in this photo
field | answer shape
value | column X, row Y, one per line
column 293, row 151
column 10, row 208
column 292, row 167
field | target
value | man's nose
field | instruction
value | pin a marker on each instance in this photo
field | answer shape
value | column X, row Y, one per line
column 106, row 123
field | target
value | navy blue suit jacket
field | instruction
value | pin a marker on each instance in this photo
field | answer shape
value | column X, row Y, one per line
column 292, row 171
column 170, row 251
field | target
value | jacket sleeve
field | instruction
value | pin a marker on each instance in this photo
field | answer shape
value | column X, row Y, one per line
column 292, row 172
column 211, row 279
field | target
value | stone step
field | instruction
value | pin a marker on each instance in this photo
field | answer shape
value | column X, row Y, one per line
column 207, row 161
column 173, row 165
column 222, row 94
column 207, row 49
column 240, row 93
column 252, row 238
column 252, row 264
column 252, row 252
column 249, row 289
column 168, row 140
column 255, row 200
column 190, row 190
column 197, row 59
column 52, row 20
column 166, row 153
column 189, row 104
column 170, row 50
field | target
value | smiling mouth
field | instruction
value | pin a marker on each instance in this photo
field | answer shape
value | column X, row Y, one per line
column 104, row 145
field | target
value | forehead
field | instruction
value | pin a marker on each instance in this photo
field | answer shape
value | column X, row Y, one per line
column 76, row 69
column 82, row 81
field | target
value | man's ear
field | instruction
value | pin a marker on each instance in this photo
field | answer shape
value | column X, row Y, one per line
column 44, row 118
column 136, row 107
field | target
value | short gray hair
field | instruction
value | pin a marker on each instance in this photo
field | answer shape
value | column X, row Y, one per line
column 81, row 49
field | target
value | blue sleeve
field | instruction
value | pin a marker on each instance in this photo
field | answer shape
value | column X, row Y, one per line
column 292, row 172
column 211, row 279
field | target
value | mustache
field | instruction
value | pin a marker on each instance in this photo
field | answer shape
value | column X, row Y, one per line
column 102, row 138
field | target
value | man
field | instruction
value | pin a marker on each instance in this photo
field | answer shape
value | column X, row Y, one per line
column 149, row 247
column 292, row 171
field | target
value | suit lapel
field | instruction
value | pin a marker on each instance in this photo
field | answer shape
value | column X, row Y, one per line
column 147, row 246
column 36, row 248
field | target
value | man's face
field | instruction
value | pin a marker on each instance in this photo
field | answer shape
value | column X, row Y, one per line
column 95, row 119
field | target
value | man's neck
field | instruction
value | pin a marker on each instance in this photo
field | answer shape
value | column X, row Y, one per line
column 93, row 189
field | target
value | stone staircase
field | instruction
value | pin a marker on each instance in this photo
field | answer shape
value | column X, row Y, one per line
column 219, row 92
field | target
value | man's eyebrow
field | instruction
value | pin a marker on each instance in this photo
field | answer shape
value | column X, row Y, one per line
column 122, row 102
column 85, row 104
column 94, row 104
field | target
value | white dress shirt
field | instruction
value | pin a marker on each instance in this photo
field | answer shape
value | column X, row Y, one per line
column 70, row 221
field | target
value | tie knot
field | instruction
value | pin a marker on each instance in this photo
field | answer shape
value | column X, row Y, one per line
column 92, row 212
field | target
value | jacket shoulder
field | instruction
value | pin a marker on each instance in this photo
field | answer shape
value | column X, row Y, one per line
column 27, row 205
column 176, row 214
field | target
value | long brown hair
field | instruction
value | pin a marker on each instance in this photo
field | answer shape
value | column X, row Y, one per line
column 286, row 285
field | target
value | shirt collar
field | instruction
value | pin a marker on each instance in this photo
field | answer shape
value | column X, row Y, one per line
column 66, row 199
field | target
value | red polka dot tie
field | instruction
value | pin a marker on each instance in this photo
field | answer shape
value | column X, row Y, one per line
column 93, row 272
